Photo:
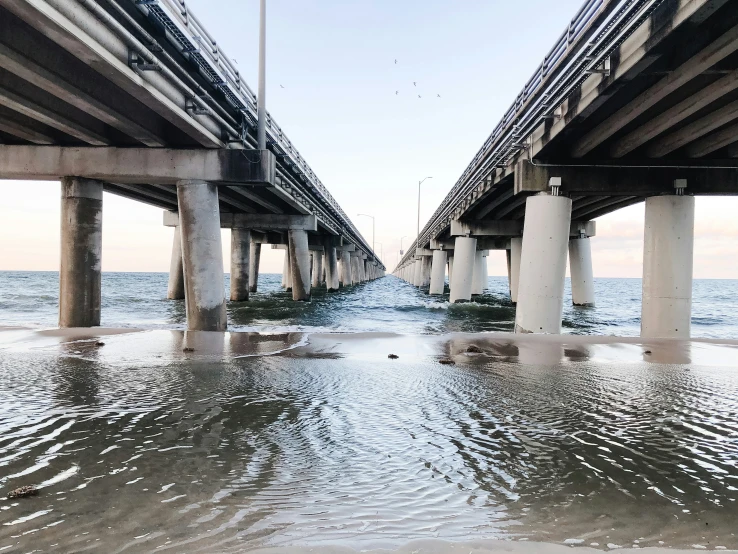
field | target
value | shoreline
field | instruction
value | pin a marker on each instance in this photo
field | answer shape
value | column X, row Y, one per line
column 494, row 346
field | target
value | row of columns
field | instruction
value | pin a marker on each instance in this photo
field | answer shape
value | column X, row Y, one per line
column 196, row 270
column 537, row 266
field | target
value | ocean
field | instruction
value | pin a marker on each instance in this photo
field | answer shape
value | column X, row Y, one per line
column 138, row 300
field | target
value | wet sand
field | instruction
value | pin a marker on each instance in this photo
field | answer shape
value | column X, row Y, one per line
column 203, row 383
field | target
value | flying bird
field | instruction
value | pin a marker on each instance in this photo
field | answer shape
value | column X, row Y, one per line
column 419, row 96
column 395, row 62
column 397, row 92
column 415, row 84
column 439, row 95
column 280, row 86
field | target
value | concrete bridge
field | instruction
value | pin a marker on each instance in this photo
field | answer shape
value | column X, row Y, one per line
column 637, row 101
column 135, row 98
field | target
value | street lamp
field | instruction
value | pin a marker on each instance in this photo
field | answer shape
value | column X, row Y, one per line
column 417, row 240
column 401, row 252
column 261, row 100
column 365, row 215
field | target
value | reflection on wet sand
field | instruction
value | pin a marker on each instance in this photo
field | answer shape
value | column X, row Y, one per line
column 181, row 441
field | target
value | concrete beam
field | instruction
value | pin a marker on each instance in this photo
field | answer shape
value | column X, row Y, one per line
column 442, row 244
column 346, row 248
column 499, row 228
column 421, row 252
column 720, row 49
column 137, row 165
column 261, row 222
column 625, row 181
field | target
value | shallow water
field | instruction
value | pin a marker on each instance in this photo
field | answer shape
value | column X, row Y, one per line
column 137, row 446
column 139, row 300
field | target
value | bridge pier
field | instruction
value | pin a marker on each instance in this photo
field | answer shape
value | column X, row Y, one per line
column 203, row 258
column 479, row 279
column 345, row 269
column 300, row 264
column 668, row 258
column 465, row 251
column 176, row 289
column 450, row 270
column 80, row 273
column 543, row 264
column 418, row 272
column 287, row 271
column 254, row 262
column 513, row 267
column 317, row 269
column 240, row 263
column 425, row 271
column 582, row 276
column 331, row 269
column 438, row 272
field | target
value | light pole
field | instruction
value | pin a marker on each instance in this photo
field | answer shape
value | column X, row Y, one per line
column 417, row 240
column 365, row 215
column 261, row 100
column 401, row 252
column 381, row 251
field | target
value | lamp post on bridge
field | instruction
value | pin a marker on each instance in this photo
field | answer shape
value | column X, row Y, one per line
column 417, row 240
column 381, row 251
column 366, row 215
column 261, row 100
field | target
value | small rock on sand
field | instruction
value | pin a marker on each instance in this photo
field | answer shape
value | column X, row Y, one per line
column 23, row 492
column 393, row 356
column 188, row 349
column 446, row 361
column 474, row 349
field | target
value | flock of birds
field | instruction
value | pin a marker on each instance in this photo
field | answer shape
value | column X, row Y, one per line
column 415, row 84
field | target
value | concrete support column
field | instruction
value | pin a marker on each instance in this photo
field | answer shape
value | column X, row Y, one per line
column 479, row 280
column 668, row 259
column 438, row 272
column 543, row 264
column 254, row 262
column 240, row 262
column 450, row 270
column 317, row 269
column 465, row 250
column 331, row 269
column 580, row 267
column 202, row 253
column 176, row 289
column 426, row 264
column 300, row 264
column 417, row 272
column 287, row 271
column 80, row 272
column 346, row 269
column 513, row 267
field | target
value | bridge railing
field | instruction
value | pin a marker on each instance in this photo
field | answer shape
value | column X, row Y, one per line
column 594, row 32
column 202, row 48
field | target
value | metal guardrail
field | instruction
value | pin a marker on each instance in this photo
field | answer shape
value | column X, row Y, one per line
column 203, row 49
column 566, row 66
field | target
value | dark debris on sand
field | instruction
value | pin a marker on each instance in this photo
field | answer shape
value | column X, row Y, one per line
column 393, row 356
column 446, row 361
column 23, row 492
column 474, row 349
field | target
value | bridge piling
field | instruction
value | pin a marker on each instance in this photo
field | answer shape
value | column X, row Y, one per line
column 543, row 264
column 80, row 274
column 240, row 263
column 450, row 270
column 479, row 279
column 465, row 250
column 287, row 271
column 582, row 277
column 299, row 264
column 513, row 267
column 176, row 288
column 254, row 262
column 202, row 255
column 425, row 271
column 331, row 269
column 668, row 258
column 317, row 269
column 345, row 269
column 438, row 272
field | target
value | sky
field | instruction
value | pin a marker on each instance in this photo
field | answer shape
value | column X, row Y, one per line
column 355, row 115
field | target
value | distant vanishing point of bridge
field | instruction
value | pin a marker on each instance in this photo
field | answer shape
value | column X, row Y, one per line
column 135, row 98
column 637, row 101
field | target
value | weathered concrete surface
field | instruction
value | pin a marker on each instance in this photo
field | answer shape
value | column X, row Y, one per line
column 317, row 277
column 543, row 264
column 262, row 222
column 240, row 264
column 176, row 289
column 300, row 265
column 80, row 273
column 202, row 255
column 513, row 267
column 668, row 259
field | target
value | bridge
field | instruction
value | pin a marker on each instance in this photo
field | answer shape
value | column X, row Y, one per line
column 637, row 101
column 135, row 98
